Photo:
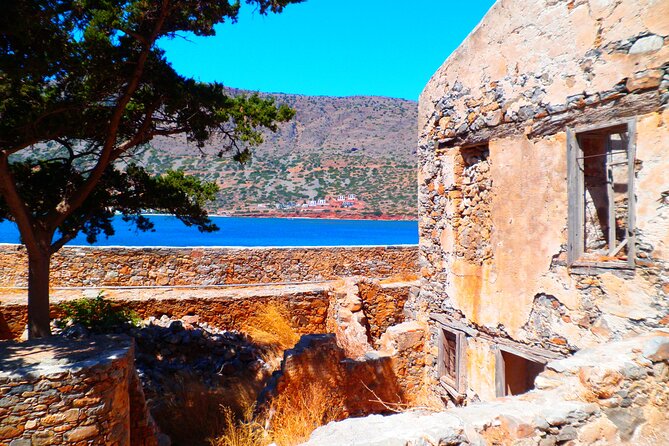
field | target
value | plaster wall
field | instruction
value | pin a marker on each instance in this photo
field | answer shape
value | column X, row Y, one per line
column 529, row 71
column 554, row 48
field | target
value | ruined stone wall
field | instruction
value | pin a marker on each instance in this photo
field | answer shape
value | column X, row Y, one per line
column 383, row 305
column 493, row 229
column 230, row 308
column 114, row 266
column 613, row 394
column 63, row 392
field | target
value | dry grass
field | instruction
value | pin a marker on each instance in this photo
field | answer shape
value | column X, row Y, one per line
column 289, row 421
column 295, row 415
column 400, row 277
column 244, row 431
column 271, row 327
column 190, row 412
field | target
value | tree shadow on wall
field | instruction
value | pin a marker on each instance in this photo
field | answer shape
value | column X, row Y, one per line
column 53, row 355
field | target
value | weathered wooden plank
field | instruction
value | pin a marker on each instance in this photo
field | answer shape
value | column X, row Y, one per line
column 455, row 327
column 613, row 264
column 441, row 362
column 603, row 127
column 462, row 363
column 618, row 248
column 614, row 111
column 610, row 112
column 631, row 196
column 575, row 202
column 535, row 355
column 610, row 196
column 500, row 374
column 450, row 323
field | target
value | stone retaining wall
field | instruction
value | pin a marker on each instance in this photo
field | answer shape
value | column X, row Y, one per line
column 63, row 392
column 226, row 309
column 114, row 266
column 383, row 305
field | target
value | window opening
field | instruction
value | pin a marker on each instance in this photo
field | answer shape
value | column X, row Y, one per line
column 601, row 195
column 515, row 374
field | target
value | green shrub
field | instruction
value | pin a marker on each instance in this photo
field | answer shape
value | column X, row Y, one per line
column 98, row 314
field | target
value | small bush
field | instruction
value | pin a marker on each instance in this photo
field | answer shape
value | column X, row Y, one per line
column 98, row 314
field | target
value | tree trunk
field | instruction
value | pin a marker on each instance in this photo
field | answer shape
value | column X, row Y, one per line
column 38, row 294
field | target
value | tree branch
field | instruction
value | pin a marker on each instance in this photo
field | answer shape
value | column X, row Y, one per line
column 55, row 246
column 17, row 205
column 67, row 205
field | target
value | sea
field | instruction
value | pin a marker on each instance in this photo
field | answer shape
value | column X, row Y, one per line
column 250, row 232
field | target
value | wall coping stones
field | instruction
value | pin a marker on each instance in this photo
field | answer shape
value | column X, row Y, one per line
column 129, row 294
column 219, row 248
column 54, row 356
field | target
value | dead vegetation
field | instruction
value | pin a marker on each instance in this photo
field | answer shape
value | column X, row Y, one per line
column 290, row 417
column 271, row 328
column 288, row 421
column 191, row 411
column 400, row 277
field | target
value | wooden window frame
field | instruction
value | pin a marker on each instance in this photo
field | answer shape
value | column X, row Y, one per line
column 458, row 386
column 576, row 185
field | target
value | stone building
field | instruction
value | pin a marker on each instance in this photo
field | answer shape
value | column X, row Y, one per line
column 543, row 190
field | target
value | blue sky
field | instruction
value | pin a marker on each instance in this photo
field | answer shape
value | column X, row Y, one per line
column 331, row 47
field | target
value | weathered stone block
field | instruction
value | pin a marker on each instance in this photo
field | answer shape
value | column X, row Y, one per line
column 82, row 433
column 647, row 44
column 644, row 80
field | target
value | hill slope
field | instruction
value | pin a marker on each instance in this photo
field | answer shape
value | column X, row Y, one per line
column 334, row 146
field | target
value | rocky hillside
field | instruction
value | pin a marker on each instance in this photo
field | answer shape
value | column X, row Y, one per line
column 360, row 147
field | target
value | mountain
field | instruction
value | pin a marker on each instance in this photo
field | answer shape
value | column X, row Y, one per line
column 359, row 145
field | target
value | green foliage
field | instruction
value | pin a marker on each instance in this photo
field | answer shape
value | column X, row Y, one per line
column 129, row 192
column 98, row 314
column 84, row 87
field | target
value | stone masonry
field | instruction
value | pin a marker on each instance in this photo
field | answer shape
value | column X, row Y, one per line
column 117, row 266
column 63, row 392
column 495, row 204
column 224, row 308
column 615, row 394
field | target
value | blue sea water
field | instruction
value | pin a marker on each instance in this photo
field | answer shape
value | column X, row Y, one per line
column 238, row 231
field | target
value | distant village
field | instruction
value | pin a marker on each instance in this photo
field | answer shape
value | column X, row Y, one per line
column 339, row 202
